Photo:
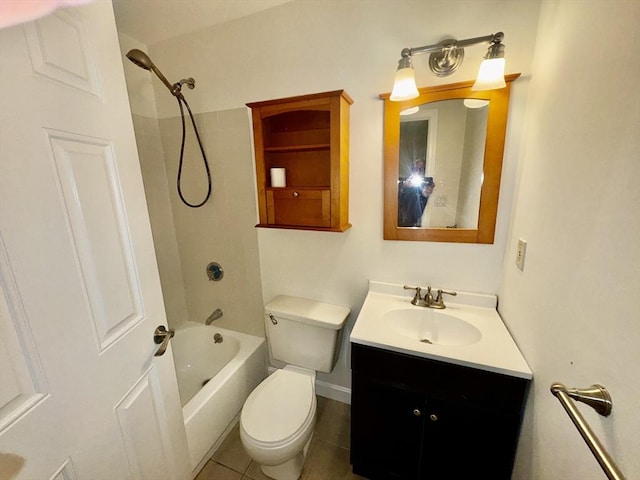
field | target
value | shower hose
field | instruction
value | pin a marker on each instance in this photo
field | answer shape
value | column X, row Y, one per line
column 181, row 99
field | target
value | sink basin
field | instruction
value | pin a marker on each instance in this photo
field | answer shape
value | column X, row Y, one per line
column 431, row 326
column 469, row 332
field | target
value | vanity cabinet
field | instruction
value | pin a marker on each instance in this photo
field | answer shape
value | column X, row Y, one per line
column 417, row 418
column 308, row 136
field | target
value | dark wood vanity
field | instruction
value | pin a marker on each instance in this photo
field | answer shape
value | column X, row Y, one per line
column 418, row 418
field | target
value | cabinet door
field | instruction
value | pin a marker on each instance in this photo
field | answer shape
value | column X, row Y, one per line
column 386, row 433
column 462, row 441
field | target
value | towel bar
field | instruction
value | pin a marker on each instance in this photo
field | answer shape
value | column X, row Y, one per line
column 599, row 399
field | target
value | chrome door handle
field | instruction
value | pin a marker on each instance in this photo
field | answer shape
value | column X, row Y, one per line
column 161, row 337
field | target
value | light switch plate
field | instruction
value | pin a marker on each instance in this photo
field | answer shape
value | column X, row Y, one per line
column 521, row 253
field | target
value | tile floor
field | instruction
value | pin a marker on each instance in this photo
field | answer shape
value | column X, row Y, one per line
column 328, row 457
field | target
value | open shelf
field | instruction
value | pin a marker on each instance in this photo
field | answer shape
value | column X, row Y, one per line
column 298, row 148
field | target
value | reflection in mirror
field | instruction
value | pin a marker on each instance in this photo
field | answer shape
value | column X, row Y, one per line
column 443, row 163
column 441, row 189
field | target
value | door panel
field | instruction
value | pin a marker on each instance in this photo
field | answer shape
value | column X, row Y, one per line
column 21, row 375
column 60, row 48
column 88, row 177
column 141, row 417
column 83, row 397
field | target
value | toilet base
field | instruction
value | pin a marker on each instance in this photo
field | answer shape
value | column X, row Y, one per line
column 289, row 470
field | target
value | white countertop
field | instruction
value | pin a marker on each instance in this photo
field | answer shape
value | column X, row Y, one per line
column 496, row 350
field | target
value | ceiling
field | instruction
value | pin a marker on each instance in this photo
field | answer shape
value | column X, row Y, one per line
column 152, row 21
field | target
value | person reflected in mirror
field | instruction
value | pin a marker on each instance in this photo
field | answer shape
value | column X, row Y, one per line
column 413, row 195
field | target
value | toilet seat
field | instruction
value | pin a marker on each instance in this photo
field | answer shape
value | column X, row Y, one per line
column 286, row 400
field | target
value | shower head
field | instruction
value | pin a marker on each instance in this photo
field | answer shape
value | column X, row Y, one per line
column 142, row 60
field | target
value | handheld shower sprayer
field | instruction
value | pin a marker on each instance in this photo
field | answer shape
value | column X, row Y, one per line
column 142, row 60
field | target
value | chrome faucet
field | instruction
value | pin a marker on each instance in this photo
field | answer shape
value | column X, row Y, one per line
column 217, row 313
column 428, row 300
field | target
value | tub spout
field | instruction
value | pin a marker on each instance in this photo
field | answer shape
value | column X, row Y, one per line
column 217, row 313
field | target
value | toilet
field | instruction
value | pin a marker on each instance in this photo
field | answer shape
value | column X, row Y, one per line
column 277, row 420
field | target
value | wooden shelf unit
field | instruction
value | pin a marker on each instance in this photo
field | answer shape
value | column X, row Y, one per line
column 308, row 136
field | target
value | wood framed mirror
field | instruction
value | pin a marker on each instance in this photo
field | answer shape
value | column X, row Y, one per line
column 443, row 162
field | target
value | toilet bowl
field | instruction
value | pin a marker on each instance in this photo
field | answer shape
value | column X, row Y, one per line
column 277, row 420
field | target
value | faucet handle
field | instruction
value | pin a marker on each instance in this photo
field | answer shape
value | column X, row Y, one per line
column 441, row 292
column 417, row 297
column 439, row 303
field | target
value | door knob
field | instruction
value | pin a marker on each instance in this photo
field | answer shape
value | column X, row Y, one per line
column 161, row 337
column 417, row 412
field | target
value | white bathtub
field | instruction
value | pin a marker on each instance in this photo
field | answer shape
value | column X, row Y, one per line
column 214, row 380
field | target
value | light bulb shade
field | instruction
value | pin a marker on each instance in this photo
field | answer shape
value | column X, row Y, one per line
column 404, row 85
column 473, row 103
column 490, row 75
column 409, row 111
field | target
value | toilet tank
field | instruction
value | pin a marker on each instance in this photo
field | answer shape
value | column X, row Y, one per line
column 304, row 332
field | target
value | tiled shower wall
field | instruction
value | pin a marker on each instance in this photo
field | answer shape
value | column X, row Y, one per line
column 223, row 230
column 154, row 176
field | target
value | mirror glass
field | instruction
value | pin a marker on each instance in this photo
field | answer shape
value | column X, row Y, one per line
column 443, row 162
column 440, row 164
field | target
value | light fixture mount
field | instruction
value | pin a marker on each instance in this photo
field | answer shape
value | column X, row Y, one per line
column 446, row 61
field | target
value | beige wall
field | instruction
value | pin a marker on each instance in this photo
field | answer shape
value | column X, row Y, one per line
column 448, row 162
column 575, row 309
column 223, row 229
column 472, row 168
column 156, row 184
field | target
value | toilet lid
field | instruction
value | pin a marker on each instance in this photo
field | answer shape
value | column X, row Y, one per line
column 278, row 407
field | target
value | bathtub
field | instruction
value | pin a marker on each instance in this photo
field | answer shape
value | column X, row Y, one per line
column 214, row 380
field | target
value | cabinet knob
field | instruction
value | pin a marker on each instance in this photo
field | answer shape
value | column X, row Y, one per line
column 417, row 412
column 295, row 194
column 433, row 417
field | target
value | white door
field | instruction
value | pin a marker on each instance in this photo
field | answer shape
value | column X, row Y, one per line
column 82, row 396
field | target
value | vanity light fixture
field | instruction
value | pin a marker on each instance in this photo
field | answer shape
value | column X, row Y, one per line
column 444, row 59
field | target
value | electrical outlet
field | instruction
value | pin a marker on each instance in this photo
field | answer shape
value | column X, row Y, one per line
column 521, row 253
